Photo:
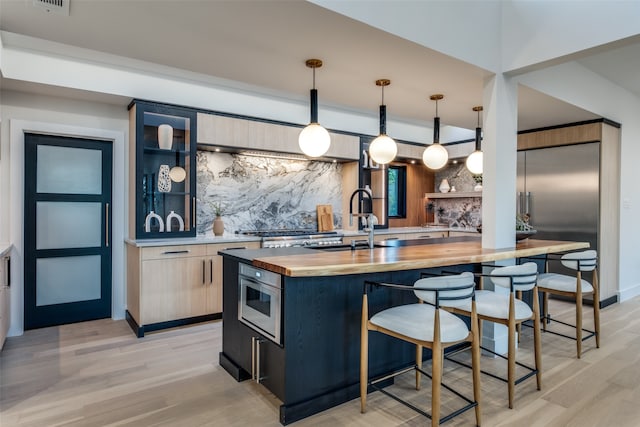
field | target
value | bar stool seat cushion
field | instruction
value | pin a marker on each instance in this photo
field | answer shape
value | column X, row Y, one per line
column 416, row 321
column 560, row 282
column 496, row 305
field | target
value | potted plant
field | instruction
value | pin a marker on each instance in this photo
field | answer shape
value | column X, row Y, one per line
column 218, row 224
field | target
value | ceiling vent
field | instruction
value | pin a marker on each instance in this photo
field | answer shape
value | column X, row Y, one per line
column 61, row 7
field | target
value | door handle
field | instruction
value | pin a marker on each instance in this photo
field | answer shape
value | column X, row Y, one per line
column 106, row 224
column 255, row 358
column 258, row 342
column 204, row 280
column 211, row 270
column 193, row 213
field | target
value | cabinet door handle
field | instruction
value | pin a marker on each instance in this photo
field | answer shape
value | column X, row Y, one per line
column 211, row 270
column 193, row 214
column 204, row 279
column 106, row 224
column 175, row 252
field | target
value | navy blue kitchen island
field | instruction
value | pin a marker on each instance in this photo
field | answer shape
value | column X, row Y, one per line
column 313, row 364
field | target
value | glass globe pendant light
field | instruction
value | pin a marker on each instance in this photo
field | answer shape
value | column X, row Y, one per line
column 314, row 140
column 475, row 160
column 383, row 149
column 435, row 156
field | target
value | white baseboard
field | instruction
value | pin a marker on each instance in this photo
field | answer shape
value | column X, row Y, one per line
column 628, row 293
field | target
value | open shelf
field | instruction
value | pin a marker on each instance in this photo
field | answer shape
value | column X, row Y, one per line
column 454, row 195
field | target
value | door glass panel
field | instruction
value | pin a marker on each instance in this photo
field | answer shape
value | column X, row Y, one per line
column 69, row 170
column 67, row 279
column 68, row 225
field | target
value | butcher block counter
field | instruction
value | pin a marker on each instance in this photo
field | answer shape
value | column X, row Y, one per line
column 396, row 255
column 313, row 361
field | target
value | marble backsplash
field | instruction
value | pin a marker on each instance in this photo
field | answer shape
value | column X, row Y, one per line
column 258, row 193
column 457, row 212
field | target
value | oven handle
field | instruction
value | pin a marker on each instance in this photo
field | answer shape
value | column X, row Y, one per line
column 257, row 283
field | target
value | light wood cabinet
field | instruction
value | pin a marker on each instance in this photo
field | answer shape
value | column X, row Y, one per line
column 242, row 133
column 4, row 299
column 173, row 285
column 175, row 288
column 216, row 268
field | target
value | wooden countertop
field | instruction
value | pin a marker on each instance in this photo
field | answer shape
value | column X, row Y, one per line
column 325, row 263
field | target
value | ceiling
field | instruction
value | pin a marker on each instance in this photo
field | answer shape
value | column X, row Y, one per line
column 264, row 44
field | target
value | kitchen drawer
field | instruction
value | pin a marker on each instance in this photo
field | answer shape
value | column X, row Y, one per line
column 177, row 251
column 213, row 249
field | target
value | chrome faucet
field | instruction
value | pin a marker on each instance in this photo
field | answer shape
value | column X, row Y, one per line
column 369, row 215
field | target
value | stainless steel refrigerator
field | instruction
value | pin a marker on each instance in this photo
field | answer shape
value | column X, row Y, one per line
column 559, row 188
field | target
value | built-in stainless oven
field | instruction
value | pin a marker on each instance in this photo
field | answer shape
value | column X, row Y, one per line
column 260, row 301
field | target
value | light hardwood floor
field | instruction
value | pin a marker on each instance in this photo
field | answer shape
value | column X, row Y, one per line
column 98, row 374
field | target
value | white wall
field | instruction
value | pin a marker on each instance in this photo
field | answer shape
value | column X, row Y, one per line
column 573, row 83
column 42, row 114
column 466, row 30
column 537, row 31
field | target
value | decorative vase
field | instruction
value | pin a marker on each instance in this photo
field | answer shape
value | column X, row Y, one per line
column 147, row 221
column 444, row 186
column 478, row 187
column 165, row 137
column 453, row 189
column 164, row 180
column 218, row 226
column 178, row 218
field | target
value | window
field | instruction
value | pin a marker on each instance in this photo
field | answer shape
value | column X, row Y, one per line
column 397, row 194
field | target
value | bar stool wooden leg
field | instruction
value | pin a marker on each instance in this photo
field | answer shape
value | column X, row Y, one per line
column 579, row 315
column 436, row 382
column 537, row 339
column 364, row 355
column 596, row 307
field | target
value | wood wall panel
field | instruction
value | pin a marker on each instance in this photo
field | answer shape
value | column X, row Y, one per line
column 608, row 236
column 350, row 178
column 561, row 136
column 419, row 181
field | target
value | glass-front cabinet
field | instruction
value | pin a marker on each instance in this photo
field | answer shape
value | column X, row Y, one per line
column 162, row 160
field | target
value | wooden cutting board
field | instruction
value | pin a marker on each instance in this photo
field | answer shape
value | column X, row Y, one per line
column 325, row 217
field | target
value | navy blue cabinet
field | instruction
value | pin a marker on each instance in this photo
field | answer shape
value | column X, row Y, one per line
column 162, row 170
